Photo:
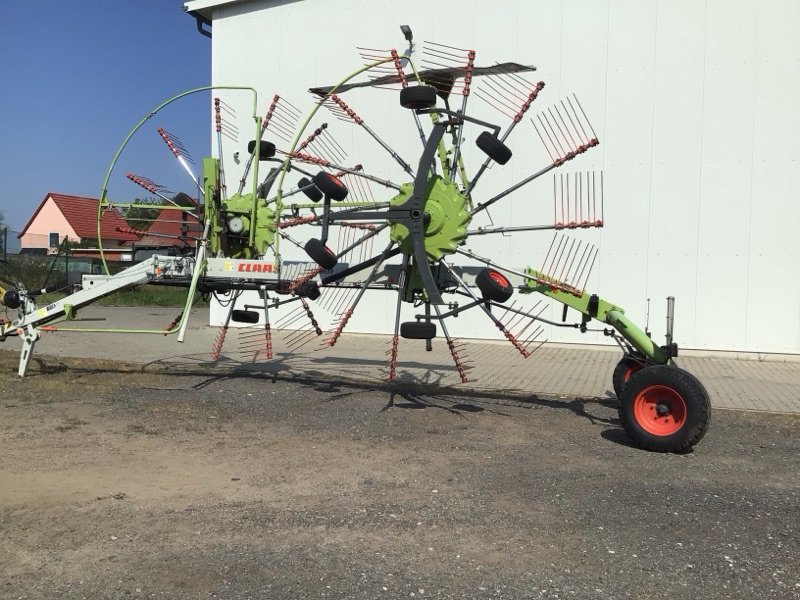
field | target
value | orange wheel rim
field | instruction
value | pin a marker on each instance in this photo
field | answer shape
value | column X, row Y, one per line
column 628, row 373
column 498, row 278
column 659, row 410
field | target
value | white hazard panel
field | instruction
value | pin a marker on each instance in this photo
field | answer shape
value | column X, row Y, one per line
column 234, row 268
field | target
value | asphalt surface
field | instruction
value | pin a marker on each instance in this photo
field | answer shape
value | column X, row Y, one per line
column 769, row 383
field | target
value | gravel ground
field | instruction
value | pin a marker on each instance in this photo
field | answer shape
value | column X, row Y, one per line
column 116, row 483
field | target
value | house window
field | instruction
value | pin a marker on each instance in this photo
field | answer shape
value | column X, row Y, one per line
column 53, row 240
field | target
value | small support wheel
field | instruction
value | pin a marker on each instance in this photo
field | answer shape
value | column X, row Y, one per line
column 309, row 189
column 308, row 289
column 494, row 285
column 664, row 409
column 418, row 330
column 418, row 97
column 321, row 254
column 244, row 316
column 493, row 148
column 331, row 186
column 624, row 370
column 265, row 149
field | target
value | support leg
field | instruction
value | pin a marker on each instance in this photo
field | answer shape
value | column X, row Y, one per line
column 29, row 338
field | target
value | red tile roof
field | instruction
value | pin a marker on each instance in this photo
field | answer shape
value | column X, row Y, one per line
column 169, row 226
column 81, row 213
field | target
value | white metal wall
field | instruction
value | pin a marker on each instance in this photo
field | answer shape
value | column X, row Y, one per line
column 696, row 107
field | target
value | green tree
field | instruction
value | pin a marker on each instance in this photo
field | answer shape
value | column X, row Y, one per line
column 142, row 216
column 3, row 235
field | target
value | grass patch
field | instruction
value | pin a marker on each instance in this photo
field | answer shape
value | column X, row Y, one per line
column 144, row 295
column 34, row 271
column 148, row 295
column 71, row 423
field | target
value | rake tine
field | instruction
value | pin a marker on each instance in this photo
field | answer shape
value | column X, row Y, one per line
column 553, row 127
column 547, row 271
column 550, row 249
column 602, row 211
column 310, row 337
column 572, row 122
column 329, row 145
column 395, row 336
column 566, row 255
column 311, row 137
column 467, row 77
column 547, row 132
column 585, row 118
column 290, row 319
column 307, row 158
column 334, row 336
column 587, row 251
column 329, row 297
column 588, row 273
column 491, row 99
column 342, row 301
column 546, row 147
column 365, row 237
column 499, row 82
column 569, row 133
column 181, row 155
column 509, row 336
column 218, row 120
column 461, row 367
column 567, row 278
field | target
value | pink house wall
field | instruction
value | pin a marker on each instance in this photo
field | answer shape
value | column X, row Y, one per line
column 49, row 220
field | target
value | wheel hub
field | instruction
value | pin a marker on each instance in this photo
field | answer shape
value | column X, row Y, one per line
column 662, row 409
column 238, row 211
column 445, row 218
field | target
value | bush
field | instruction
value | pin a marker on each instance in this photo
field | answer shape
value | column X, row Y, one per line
column 31, row 270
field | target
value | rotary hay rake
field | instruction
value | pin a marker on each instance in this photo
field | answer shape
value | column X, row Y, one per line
column 227, row 243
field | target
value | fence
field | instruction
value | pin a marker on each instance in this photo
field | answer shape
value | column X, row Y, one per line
column 36, row 268
column 9, row 242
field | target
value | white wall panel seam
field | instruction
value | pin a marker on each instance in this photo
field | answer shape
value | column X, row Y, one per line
column 648, row 237
column 700, row 178
column 752, row 170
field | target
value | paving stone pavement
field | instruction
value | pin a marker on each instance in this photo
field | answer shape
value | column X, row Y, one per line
column 734, row 381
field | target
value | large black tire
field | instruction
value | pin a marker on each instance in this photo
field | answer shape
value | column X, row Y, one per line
column 265, row 149
column 309, row 189
column 664, row 409
column 494, row 285
column 418, row 330
column 624, row 370
column 321, row 254
column 494, row 148
column 331, row 186
column 418, row 97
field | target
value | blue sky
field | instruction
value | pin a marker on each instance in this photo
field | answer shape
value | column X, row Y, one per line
column 76, row 76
